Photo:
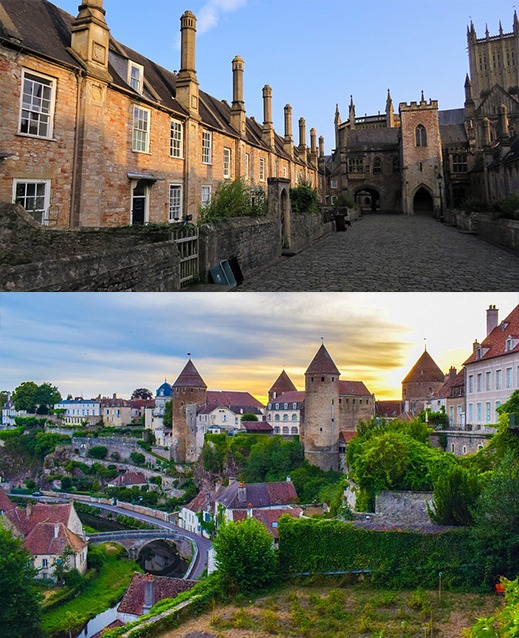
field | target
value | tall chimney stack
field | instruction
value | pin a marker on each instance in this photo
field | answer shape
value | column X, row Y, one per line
column 288, row 140
column 268, row 127
column 302, row 133
column 187, row 83
column 238, row 105
column 492, row 319
column 321, row 146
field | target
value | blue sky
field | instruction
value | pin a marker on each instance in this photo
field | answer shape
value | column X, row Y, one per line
column 89, row 343
column 316, row 53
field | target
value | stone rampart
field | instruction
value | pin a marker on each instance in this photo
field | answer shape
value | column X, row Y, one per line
column 403, row 508
column 39, row 258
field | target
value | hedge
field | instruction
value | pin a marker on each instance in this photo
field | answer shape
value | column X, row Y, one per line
column 394, row 558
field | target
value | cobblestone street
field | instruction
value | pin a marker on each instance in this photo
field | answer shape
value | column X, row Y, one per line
column 393, row 253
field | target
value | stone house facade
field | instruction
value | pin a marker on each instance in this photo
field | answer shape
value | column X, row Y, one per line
column 94, row 134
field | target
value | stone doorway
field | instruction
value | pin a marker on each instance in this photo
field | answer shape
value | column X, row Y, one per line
column 423, row 202
column 368, row 199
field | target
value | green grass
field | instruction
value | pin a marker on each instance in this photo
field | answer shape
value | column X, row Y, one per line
column 100, row 594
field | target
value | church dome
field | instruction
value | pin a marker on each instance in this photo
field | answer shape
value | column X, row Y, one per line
column 165, row 390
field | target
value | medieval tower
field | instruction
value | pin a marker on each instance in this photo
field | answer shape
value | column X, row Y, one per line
column 423, row 380
column 189, row 394
column 282, row 384
column 320, row 432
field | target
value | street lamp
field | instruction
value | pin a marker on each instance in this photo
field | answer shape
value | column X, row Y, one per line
column 440, row 184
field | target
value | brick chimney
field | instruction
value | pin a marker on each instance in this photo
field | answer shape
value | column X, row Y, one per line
column 91, row 38
column 242, row 493
column 288, row 140
column 187, row 83
column 492, row 319
column 238, row 105
column 268, row 126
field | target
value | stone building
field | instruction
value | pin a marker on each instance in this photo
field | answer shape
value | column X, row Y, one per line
column 422, row 159
column 421, row 384
column 94, row 134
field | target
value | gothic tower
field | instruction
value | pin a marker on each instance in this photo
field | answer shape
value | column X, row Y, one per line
column 189, row 394
column 320, row 431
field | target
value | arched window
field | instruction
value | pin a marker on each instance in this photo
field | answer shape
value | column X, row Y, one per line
column 285, row 430
column 377, row 166
column 421, row 135
column 276, row 417
column 294, row 430
column 285, row 417
column 294, row 417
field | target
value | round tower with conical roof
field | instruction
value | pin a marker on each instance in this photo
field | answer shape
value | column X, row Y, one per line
column 423, row 380
column 189, row 395
column 320, row 430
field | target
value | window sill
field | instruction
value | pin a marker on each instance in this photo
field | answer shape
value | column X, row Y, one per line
column 37, row 137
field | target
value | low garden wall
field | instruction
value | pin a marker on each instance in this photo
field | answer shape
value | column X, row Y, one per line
column 254, row 241
column 500, row 232
column 37, row 258
column 305, row 229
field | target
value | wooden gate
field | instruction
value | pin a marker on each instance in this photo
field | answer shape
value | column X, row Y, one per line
column 186, row 238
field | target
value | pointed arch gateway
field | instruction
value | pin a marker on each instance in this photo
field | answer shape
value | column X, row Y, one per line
column 423, row 203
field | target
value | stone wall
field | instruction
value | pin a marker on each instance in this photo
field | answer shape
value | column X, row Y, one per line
column 459, row 442
column 36, row 258
column 403, row 508
column 500, row 232
column 254, row 241
column 305, row 229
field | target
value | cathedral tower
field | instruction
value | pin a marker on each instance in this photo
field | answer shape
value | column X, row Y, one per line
column 320, row 431
column 189, row 394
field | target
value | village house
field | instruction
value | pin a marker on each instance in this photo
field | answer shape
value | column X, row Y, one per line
column 52, row 534
column 95, row 134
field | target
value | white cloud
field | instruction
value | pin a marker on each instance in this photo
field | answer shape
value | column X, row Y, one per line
column 209, row 15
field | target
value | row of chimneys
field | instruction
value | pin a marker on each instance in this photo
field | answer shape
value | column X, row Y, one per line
column 187, row 95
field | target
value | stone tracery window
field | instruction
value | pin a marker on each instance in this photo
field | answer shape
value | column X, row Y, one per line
column 421, row 135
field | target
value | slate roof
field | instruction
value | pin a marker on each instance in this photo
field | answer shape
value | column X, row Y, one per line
column 270, row 517
column 189, row 377
column 283, row 384
column 322, row 363
column 257, row 495
column 373, row 137
column 451, row 116
column 425, row 369
column 163, row 587
column 453, row 134
column 356, row 388
column 494, row 345
column 290, row 397
column 257, row 427
column 52, row 538
column 165, row 390
column 43, row 28
column 216, row 398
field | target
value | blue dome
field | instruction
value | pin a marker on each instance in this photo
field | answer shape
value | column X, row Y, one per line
column 165, row 390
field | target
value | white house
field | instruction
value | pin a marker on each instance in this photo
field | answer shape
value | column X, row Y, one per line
column 80, row 411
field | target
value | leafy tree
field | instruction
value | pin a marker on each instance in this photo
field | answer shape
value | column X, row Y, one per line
column 3, row 398
column 46, row 396
column 245, row 556
column 98, row 452
column 304, row 199
column 505, row 622
column 20, row 611
column 72, row 622
column 24, row 397
column 272, row 459
column 455, row 495
column 142, row 393
column 235, row 199
column 167, row 419
column 511, row 407
column 496, row 522
column 248, row 416
column 137, row 458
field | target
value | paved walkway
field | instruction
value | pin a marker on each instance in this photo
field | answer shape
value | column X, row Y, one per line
column 393, row 253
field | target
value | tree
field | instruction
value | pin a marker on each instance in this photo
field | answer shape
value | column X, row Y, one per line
column 455, row 495
column 46, row 396
column 142, row 393
column 98, row 452
column 496, row 522
column 245, row 556
column 24, row 397
column 248, row 416
column 167, row 419
column 137, row 458
column 20, row 610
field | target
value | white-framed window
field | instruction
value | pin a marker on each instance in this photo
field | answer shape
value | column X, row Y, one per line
column 488, row 381
column 262, row 169
column 488, row 408
column 479, row 413
column 37, row 104
column 136, row 76
column 509, row 378
column 471, row 412
column 464, row 450
column 499, row 375
column 333, row 200
column 479, row 379
column 34, row 196
column 284, row 171
column 141, row 130
column 333, row 183
column 227, row 163
column 247, row 165
column 175, row 202
column 471, row 383
column 206, row 194
column 207, row 147
column 176, row 139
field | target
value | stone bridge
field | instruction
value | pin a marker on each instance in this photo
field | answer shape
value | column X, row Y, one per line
column 134, row 540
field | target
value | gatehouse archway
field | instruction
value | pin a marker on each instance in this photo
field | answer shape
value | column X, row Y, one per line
column 368, row 199
column 423, row 202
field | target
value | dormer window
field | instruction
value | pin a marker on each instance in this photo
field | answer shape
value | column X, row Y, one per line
column 135, row 76
column 479, row 353
column 509, row 344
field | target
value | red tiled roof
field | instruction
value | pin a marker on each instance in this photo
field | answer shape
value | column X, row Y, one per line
column 290, row 397
column 163, row 587
column 457, row 380
column 322, row 363
column 239, row 399
column 346, row 435
column 268, row 516
column 5, row 502
column 257, row 495
column 494, row 345
column 52, row 538
column 283, row 384
column 388, row 409
column 425, row 369
column 189, row 377
column 356, row 388
column 26, row 520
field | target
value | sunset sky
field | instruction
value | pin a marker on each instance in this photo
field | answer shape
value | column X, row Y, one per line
column 100, row 343
column 316, row 53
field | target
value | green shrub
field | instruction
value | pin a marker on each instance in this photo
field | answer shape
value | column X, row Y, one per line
column 508, row 208
column 98, row 452
column 234, row 199
column 474, row 205
column 304, row 199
